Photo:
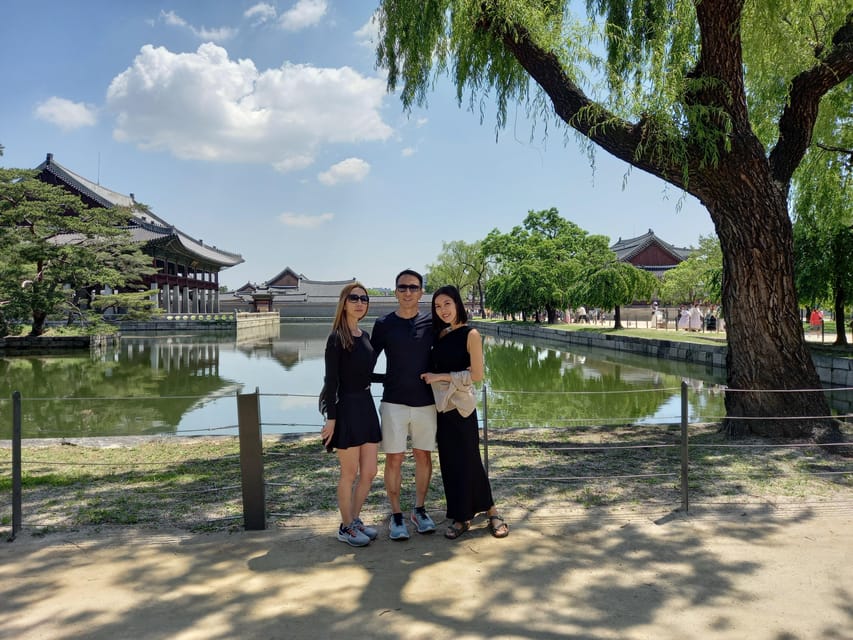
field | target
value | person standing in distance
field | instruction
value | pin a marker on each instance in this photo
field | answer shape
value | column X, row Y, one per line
column 408, row 406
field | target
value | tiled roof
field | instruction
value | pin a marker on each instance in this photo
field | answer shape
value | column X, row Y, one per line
column 282, row 273
column 103, row 196
column 146, row 227
column 625, row 249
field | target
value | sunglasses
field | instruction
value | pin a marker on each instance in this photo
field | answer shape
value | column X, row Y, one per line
column 354, row 297
column 402, row 288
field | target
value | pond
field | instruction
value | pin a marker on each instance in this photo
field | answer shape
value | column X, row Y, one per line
column 186, row 385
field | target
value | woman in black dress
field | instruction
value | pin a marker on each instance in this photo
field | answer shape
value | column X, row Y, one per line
column 457, row 362
column 352, row 425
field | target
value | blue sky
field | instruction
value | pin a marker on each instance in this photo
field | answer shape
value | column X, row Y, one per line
column 265, row 129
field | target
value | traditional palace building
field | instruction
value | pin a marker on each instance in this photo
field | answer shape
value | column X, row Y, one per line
column 650, row 253
column 188, row 270
column 288, row 287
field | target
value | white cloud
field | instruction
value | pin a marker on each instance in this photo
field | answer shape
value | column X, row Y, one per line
column 349, row 170
column 203, row 105
column 65, row 114
column 261, row 12
column 368, row 34
column 303, row 221
column 218, row 34
column 407, row 152
column 305, row 13
column 172, row 19
column 420, row 122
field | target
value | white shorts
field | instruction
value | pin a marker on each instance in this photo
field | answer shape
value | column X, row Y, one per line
column 400, row 421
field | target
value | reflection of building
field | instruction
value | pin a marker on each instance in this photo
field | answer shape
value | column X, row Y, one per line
column 650, row 253
column 188, row 269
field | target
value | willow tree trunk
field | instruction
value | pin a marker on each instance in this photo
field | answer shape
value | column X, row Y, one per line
column 838, row 309
column 774, row 389
column 617, row 318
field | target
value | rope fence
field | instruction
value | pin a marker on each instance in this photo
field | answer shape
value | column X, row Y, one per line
column 588, row 460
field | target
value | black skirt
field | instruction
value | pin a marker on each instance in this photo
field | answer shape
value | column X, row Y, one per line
column 466, row 486
column 357, row 422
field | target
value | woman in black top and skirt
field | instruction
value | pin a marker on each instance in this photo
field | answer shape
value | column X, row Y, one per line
column 457, row 362
column 352, row 424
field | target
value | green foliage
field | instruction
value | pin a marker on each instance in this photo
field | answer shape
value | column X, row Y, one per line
column 612, row 284
column 542, row 264
column 823, row 237
column 781, row 38
column 51, row 246
column 700, row 277
column 133, row 305
column 460, row 264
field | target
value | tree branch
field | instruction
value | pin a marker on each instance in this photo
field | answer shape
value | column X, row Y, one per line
column 807, row 89
column 615, row 135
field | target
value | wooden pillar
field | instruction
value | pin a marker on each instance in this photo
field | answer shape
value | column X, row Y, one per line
column 251, row 460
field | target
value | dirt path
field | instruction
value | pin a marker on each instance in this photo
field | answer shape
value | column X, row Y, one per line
column 780, row 574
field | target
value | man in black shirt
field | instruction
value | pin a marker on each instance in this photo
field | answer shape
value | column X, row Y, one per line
column 408, row 406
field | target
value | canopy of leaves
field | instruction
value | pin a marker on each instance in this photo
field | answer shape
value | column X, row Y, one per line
column 614, row 284
column 624, row 61
column 700, row 277
column 461, row 264
column 546, row 263
column 823, row 227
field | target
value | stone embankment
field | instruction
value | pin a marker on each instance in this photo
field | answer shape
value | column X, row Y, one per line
column 833, row 371
column 26, row 345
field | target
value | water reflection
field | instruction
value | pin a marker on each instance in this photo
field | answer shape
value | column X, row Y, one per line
column 531, row 385
column 186, row 384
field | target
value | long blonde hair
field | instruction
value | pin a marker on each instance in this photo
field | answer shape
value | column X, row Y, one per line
column 339, row 326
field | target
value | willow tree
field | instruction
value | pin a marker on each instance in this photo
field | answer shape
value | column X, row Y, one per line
column 823, row 215
column 463, row 265
column 611, row 284
column 716, row 97
column 699, row 277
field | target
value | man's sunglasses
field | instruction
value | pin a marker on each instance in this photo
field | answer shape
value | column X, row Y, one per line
column 353, row 297
column 402, row 288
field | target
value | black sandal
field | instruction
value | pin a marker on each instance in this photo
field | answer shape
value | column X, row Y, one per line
column 500, row 530
column 454, row 531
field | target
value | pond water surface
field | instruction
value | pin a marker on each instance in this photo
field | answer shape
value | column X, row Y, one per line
column 186, row 384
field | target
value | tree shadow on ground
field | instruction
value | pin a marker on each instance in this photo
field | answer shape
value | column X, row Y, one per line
column 592, row 574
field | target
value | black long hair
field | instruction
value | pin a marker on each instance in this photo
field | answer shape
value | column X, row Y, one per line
column 461, row 314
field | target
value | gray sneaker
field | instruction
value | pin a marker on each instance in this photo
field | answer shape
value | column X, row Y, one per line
column 398, row 528
column 422, row 520
column 352, row 536
column 370, row 532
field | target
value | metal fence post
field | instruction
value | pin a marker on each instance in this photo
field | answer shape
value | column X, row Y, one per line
column 684, row 448
column 485, row 431
column 16, row 465
column 251, row 460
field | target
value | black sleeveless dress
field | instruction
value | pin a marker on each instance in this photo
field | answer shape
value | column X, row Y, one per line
column 466, row 486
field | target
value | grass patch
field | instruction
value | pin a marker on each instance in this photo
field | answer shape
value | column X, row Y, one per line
column 194, row 484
